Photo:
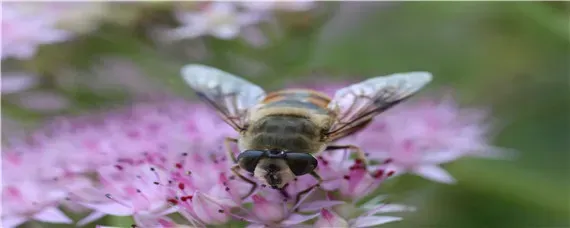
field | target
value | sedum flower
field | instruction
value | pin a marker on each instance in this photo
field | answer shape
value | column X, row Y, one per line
column 31, row 200
column 303, row 5
column 126, row 189
column 223, row 20
column 24, row 30
column 28, row 25
column 417, row 136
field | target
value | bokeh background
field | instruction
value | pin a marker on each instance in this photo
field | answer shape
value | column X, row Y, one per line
column 512, row 57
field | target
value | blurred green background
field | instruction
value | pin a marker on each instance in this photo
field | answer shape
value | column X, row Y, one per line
column 510, row 56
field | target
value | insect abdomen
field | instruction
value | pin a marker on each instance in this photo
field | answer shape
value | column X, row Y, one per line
column 290, row 133
column 298, row 98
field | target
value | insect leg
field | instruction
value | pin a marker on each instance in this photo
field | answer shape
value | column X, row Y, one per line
column 284, row 192
column 235, row 170
column 319, row 182
column 229, row 150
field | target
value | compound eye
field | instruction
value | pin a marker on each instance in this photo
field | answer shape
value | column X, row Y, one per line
column 248, row 159
column 301, row 163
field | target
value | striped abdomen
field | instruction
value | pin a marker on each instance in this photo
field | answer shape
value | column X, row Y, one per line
column 287, row 121
column 298, row 98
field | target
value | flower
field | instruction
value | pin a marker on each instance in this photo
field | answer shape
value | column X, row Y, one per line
column 14, row 82
column 364, row 216
column 126, row 189
column 222, row 20
column 279, row 5
column 31, row 200
column 417, row 136
column 24, row 30
column 31, row 194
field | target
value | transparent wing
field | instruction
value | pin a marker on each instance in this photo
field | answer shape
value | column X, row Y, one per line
column 230, row 95
column 357, row 104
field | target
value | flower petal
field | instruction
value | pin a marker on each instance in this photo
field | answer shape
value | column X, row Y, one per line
column 52, row 215
column 13, row 221
column 330, row 219
column 318, row 205
column 110, row 208
column 387, row 208
column 295, row 219
column 435, row 173
column 153, row 221
column 91, row 218
column 374, row 221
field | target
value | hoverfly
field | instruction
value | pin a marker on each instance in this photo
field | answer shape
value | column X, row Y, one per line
column 280, row 132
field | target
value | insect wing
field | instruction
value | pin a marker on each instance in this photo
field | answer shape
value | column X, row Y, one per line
column 357, row 104
column 230, row 95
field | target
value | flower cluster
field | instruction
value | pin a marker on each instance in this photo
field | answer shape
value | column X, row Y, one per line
column 156, row 159
column 28, row 25
column 225, row 20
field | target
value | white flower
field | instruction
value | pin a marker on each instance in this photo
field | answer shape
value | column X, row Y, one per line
column 222, row 20
column 302, row 5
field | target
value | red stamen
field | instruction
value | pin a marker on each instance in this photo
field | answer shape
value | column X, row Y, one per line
column 178, row 165
column 378, row 173
column 181, row 186
column 390, row 173
column 173, row 201
column 119, row 167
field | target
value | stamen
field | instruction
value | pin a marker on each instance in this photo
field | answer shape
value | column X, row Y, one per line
column 119, row 167
column 387, row 161
column 390, row 173
column 181, row 186
column 116, row 201
column 172, row 201
column 378, row 173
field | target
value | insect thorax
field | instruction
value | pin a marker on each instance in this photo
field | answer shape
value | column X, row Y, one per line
column 285, row 132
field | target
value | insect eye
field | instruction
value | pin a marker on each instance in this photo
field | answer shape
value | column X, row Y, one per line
column 301, row 163
column 248, row 159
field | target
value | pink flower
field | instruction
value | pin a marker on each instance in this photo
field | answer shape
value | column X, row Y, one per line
column 32, row 191
column 417, row 136
column 280, row 5
column 126, row 189
column 366, row 215
column 24, row 30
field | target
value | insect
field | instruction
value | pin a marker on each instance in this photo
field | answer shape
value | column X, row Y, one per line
column 280, row 132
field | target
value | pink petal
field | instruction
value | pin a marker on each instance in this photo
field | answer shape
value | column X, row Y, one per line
column 295, row 219
column 52, row 215
column 318, row 205
column 13, row 221
column 91, row 218
column 153, row 221
column 110, row 208
column 267, row 211
column 330, row 219
column 442, row 157
column 374, row 221
column 208, row 210
column 387, row 208
column 435, row 173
